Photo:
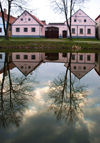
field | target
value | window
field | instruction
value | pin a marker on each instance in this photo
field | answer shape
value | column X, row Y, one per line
column 81, row 57
column 88, row 57
column 84, row 20
column 32, row 29
column 21, row 19
column 0, row 56
column 21, row 67
column 17, row 56
column 79, row 13
column 74, row 20
column 73, row 57
column 88, row 31
column 17, row 29
column 74, row 67
column 33, row 57
column 29, row 19
column 73, row 30
column 0, row 30
column 25, row 30
column 81, row 31
column 25, row 56
column 84, row 68
column 29, row 67
column 64, row 54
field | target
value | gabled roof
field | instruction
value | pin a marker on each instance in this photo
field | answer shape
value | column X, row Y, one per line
column 37, row 20
column 11, row 18
column 84, row 13
column 97, row 17
column 41, row 23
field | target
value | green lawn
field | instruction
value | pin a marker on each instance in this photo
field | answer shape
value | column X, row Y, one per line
column 49, row 45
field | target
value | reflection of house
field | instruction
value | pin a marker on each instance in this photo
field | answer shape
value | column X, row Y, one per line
column 97, row 62
column 11, row 20
column 98, row 27
column 27, row 25
column 2, row 59
column 55, row 57
column 27, row 62
column 82, row 63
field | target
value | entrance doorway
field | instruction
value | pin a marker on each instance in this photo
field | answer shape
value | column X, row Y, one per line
column 64, row 34
column 51, row 32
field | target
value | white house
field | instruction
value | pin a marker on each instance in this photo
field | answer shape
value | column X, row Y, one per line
column 27, row 25
column 1, row 27
column 82, row 27
column 98, row 27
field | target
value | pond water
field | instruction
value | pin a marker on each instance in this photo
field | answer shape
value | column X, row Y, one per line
column 50, row 98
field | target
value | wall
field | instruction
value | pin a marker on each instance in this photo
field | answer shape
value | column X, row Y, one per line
column 26, row 21
column 1, row 26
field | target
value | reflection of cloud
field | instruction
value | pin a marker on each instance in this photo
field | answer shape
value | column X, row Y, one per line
column 41, row 126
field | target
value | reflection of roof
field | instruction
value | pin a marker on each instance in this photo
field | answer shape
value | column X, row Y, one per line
column 97, row 17
column 37, row 64
column 11, row 66
column 11, row 18
column 80, row 73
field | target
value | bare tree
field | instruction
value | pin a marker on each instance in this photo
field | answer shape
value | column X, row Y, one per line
column 19, row 5
column 66, row 7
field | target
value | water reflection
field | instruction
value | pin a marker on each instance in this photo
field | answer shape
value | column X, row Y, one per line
column 14, row 95
column 81, row 63
column 62, row 88
column 67, row 93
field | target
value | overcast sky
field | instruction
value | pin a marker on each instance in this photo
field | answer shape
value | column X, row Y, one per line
column 45, row 12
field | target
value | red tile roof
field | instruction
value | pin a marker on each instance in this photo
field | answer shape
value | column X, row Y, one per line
column 11, row 18
column 97, row 17
column 37, row 19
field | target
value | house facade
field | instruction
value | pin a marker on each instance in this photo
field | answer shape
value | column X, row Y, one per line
column 27, row 25
column 82, row 27
column 98, row 27
column 11, row 20
column 1, row 27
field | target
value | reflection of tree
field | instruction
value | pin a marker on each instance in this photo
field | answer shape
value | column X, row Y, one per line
column 67, row 95
column 15, row 93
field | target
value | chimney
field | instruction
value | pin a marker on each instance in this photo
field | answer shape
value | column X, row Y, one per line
column 5, row 11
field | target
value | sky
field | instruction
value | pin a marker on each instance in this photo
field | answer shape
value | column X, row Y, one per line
column 43, row 10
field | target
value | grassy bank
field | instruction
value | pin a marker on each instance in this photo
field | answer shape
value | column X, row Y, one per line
column 49, row 45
